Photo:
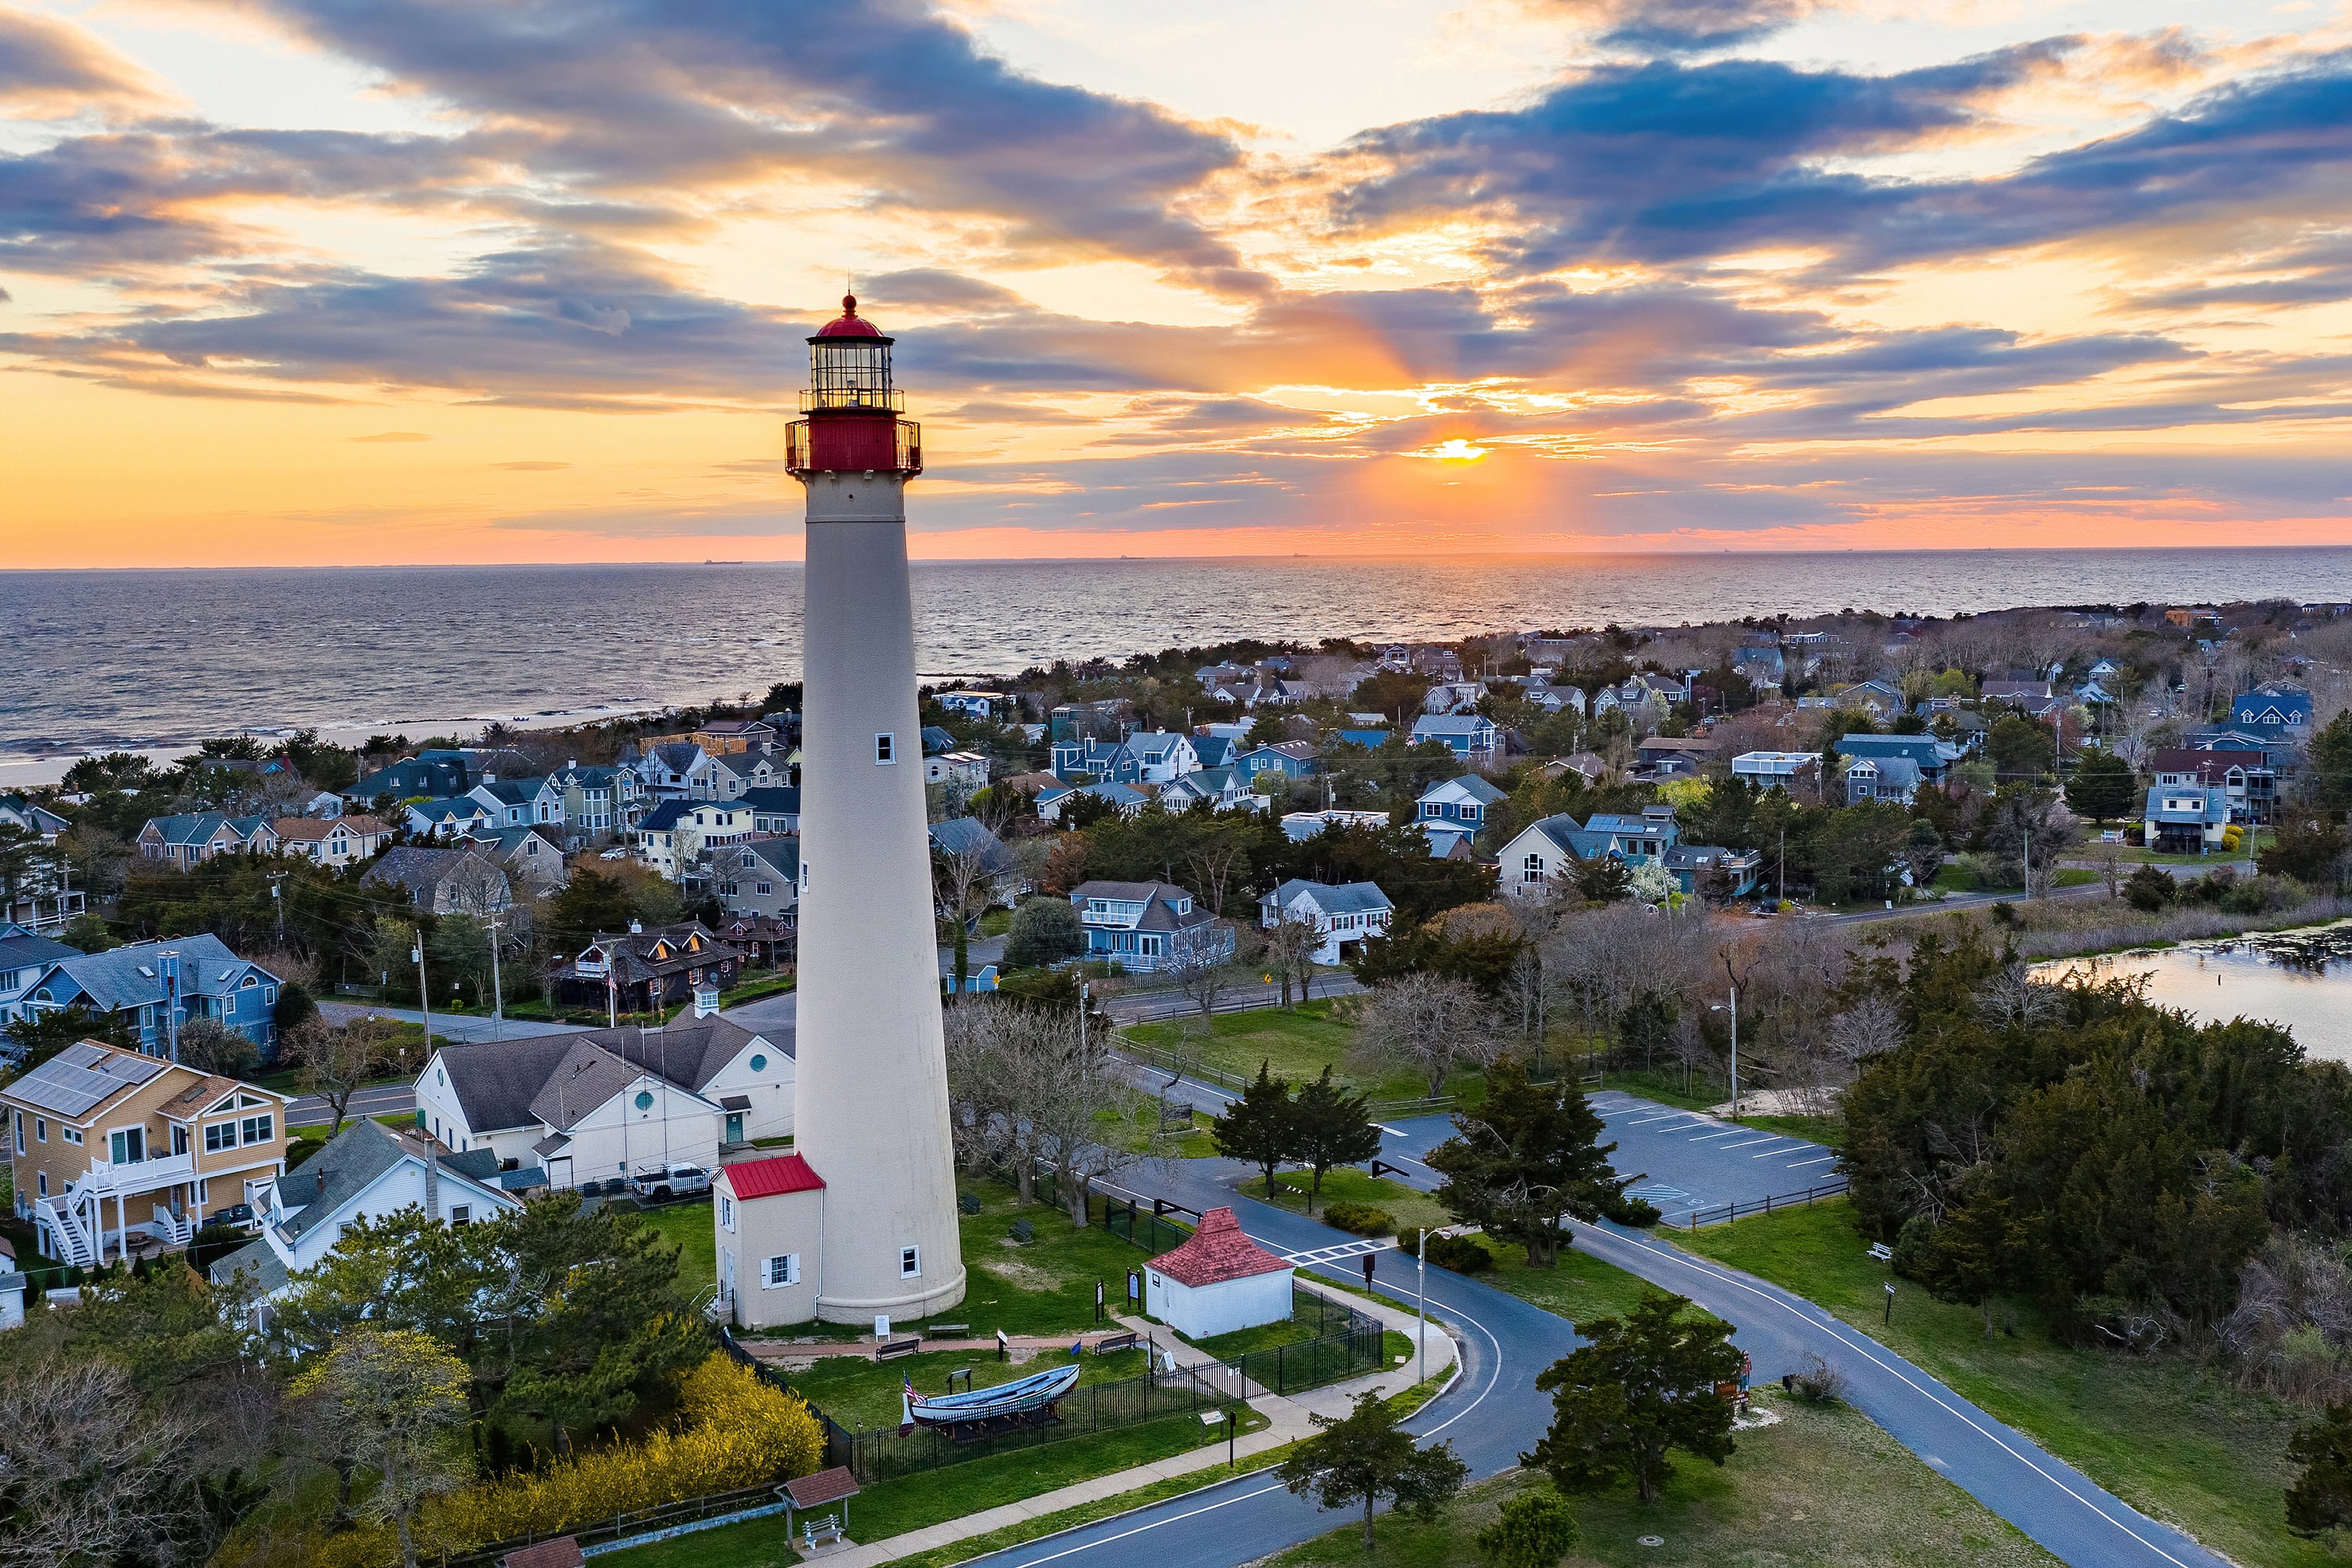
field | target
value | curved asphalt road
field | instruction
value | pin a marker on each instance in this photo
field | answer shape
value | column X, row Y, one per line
column 1493, row 1412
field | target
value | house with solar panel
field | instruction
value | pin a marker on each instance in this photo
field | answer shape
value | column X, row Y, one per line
column 153, row 988
column 113, row 1149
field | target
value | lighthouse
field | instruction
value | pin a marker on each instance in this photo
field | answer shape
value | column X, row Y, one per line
column 871, row 1116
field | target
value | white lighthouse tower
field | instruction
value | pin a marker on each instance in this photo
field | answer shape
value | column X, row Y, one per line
column 871, row 1117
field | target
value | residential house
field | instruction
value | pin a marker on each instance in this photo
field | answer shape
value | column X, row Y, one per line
column 2017, row 692
column 775, row 810
column 966, row 769
column 2179, row 818
column 1792, row 771
column 24, row 954
column 1001, row 867
column 2246, row 777
column 444, row 881
column 1933, row 758
column 326, row 803
column 1452, row 697
column 1590, row 767
column 1371, row 740
column 1075, row 720
column 1763, row 666
column 531, row 856
column 1894, row 778
column 1704, row 870
column 758, row 878
column 1543, row 851
column 1149, row 926
column 673, row 836
column 106, row 1144
column 521, row 801
column 42, row 898
column 975, row 704
column 194, row 837
column 1294, row 760
column 153, row 988
column 761, row 1211
column 1148, row 756
column 731, row 737
column 599, row 802
column 605, row 1105
column 366, row 1172
column 17, row 812
column 452, row 818
column 730, row 775
column 1674, row 756
column 1468, row 736
column 637, row 970
column 1223, row 787
column 1454, row 811
column 1343, row 918
column 439, row 777
column 1126, row 798
column 1300, row 825
column 1882, row 699
column 2274, row 710
column 672, row 770
column 343, row 840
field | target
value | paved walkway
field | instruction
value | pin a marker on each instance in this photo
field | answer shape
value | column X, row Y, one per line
column 1287, row 1421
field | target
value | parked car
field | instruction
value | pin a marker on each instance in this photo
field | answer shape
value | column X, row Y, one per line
column 665, row 1181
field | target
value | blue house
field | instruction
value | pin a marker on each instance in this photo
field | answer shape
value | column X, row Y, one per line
column 1455, row 809
column 1932, row 757
column 1296, row 759
column 154, row 987
column 1468, row 735
column 2274, row 710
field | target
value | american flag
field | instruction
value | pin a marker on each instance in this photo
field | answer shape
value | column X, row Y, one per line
column 912, row 1397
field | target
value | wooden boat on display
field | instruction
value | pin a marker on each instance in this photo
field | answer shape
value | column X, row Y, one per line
column 1013, row 1402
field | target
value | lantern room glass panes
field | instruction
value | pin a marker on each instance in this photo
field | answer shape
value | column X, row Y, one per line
column 850, row 372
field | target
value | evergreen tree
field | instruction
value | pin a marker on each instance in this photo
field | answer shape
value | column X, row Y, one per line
column 2328, row 770
column 1333, row 1128
column 1363, row 1458
column 2320, row 1502
column 2102, row 788
column 1536, row 1530
column 1527, row 1160
column 1640, row 1386
column 1261, row 1126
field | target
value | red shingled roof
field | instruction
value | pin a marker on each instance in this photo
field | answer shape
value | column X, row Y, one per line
column 1217, row 1252
column 766, row 1178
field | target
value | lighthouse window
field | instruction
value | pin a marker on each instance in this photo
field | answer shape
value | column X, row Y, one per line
column 885, row 748
column 910, row 1262
column 645, row 1101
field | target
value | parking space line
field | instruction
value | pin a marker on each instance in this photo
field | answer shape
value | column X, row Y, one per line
column 1800, row 1165
column 1729, row 1132
column 1751, row 1142
column 1776, row 1153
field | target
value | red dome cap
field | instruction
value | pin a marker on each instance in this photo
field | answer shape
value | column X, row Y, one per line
column 850, row 325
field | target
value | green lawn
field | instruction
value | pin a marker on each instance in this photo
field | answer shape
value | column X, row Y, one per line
column 1823, row 1486
column 863, row 1394
column 2166, row 1434
column 1348, row 1183
column 1043, row 1286
column 1666, row 1087
column 1297, row 1046
column 690, row 1226
column 1579, row 1288
column 996, row 922
column 1829, row 1131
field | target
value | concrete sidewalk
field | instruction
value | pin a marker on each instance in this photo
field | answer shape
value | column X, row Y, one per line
column 1289, row 1421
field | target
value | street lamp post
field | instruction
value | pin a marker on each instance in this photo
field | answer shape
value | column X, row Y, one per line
column 424, row 994
column 1421, row 1305
column 1735, row 1049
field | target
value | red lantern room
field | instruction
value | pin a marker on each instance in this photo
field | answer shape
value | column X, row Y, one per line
column 852, row 412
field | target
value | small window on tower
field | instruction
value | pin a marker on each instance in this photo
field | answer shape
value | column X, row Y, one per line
column 910, row 1262
column 884, row 749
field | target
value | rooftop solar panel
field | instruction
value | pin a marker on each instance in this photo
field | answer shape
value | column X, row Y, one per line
column 82, row 1076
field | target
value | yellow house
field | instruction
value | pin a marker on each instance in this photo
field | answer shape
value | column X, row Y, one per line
column 104, row 1143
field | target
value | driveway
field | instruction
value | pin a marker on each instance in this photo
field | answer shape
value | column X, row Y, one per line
column 376, row 1100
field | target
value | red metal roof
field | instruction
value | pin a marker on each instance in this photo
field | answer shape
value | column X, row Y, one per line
column 1217, row 1252
column 849, row 323
column 766, row 1178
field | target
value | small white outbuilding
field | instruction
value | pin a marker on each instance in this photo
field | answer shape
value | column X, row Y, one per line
column 1218, row 1280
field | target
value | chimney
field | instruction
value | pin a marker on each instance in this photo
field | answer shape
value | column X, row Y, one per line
column 432, row 1187
column 706, row 999
column 322, row 1185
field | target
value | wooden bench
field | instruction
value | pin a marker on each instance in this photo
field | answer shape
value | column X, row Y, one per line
column 1109, row 1343
column 940, row 1331
column 893, row 1347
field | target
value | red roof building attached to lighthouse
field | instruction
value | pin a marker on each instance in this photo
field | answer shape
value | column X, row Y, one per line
column 852, row 422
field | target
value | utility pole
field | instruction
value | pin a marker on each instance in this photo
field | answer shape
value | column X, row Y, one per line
column 278, row 902
column 171, row 1000
column 498, row 991
column 1421, row 1305
column 424, row 994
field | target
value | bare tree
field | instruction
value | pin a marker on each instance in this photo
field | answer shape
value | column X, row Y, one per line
column 1217, row 855
column 1868, row 1028
column 961, row 887
column 1201, row 967
column 1289, row 948
column 334, row 1063
column 90, row 1472
column 1429, row 1023
column 1029, row 1086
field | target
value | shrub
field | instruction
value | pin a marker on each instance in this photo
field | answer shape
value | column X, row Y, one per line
column 1462, row 1254
column 1818, row 1384
column 1626, row 1209
column 1536, row 1530
column 2149, row 889
column 1044, row 930
column 1361, row 1218
column 738, row 1431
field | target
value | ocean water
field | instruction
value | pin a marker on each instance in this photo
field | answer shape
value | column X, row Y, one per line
column 157, row 659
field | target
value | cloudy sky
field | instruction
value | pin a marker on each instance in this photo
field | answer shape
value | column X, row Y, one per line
column 344, row 282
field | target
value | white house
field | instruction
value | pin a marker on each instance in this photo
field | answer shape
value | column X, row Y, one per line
column 1301, row 825
column 1217, row 1281
column 365, row 1172
column 520, row 802
column 1766, row 769
column 975, row 704
column 1343, row 917
column 603, row 1105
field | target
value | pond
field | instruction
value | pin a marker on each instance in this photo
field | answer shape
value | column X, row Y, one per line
column 2302, row 979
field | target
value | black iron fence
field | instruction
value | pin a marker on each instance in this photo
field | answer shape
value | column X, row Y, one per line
column 1727, row 1214
column 1344, row 1343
